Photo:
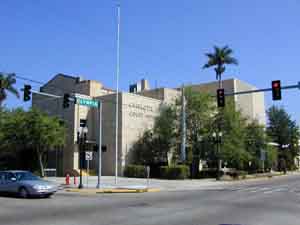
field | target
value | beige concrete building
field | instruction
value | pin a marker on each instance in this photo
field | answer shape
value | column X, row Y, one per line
column 137, row 112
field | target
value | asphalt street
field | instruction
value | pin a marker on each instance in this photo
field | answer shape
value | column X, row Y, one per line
column 273, row 201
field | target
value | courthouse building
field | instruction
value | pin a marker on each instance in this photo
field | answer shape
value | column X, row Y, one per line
column 137, row 110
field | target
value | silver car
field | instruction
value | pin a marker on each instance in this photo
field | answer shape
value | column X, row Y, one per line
column 25, row 184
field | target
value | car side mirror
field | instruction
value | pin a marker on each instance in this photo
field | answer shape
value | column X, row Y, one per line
column 13, row 179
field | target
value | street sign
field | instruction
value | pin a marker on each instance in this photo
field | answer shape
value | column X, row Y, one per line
column 87, row 102
column 299, row 84
column 88, row 156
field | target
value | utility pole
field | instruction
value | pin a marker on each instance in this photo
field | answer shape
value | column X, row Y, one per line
column 183, row 125
column 117, row 95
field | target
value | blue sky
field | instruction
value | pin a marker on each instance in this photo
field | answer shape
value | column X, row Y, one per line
column 163, row 41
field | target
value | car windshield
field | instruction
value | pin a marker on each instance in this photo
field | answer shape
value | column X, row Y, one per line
column 26, row 176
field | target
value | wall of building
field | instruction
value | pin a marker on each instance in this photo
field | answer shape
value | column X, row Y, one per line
column 168, row 95
column 251, row 105
column 138, row 115
column 108, row 103
column 211, row 88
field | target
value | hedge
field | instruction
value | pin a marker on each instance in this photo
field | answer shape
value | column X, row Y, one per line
column 174, row 172
column 209, row 173
column 137, row 171
column 238, row 174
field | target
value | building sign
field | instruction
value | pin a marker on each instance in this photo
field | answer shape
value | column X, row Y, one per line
column 87, row 102
column 140, row 110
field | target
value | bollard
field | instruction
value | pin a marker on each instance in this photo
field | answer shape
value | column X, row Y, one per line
column 75, row 180
column 67, row 179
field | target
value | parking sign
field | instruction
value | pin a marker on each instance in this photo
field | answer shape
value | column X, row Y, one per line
column 88, row 156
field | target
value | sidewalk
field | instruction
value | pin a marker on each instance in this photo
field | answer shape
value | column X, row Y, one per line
column 108, row 182
column 142, row 185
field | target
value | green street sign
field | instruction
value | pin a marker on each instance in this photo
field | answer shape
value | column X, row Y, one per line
column 87, row 102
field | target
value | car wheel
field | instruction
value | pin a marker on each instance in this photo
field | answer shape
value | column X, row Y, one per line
column 23, row 193
column 48, row 196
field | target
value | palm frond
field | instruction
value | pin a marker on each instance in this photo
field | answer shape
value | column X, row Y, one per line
column 14, row 91
column 217, row 51
column 210, row 55
column 227, row 51
column 230, row 60
column 206, row 66
column 11, row 78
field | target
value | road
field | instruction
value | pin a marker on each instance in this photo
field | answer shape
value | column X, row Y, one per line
column 266, row 202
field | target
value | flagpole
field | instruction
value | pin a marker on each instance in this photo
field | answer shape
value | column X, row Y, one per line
column 117, row 94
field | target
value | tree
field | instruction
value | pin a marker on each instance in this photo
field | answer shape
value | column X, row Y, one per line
column 255, row 142
column 199, row 110
column 165, row 132
column 233, row 125
column 27, row 133
column 218, row 59
column 285, row 132
column 7, row 85
column 44, row 133
column 14, row 151
column 155, row 145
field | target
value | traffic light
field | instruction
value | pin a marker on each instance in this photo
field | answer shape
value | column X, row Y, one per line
column 27, row 93
column 276, row 90
column 83, row 123
column 66, row 102
column 103, row 148
column 221, row 97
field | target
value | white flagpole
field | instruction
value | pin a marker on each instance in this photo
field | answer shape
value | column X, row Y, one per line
column 117, row 95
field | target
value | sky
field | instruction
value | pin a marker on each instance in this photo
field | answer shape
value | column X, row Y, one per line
column 162, row 41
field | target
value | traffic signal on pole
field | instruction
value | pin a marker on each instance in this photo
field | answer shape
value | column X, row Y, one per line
column 221, row 97
column 276, row 90
column 66, row 102
column 27, row 93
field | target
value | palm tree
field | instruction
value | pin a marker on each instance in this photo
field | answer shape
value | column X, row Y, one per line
column 6, row 85
column 219, row 58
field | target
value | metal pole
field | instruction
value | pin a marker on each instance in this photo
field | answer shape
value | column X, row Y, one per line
column 80, row 150
column 117, row 95
column 80, row 164
column 100, row 144
column 87, row 173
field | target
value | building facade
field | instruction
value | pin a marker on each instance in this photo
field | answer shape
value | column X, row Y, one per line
column 137, row 112
column 252, row 105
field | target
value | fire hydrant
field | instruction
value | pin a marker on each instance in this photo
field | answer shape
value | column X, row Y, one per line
column 67, row 179
column 75, row 180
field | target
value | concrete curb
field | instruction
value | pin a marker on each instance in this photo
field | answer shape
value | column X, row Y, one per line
column 255, row 177
column 111, row 190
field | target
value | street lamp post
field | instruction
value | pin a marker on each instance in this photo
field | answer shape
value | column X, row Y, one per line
column 217, row 138
column 81, row 140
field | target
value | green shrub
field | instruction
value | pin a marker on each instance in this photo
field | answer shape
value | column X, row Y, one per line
column 174, row 172
column 208, row 173
column 137, row 171
column 238, row 174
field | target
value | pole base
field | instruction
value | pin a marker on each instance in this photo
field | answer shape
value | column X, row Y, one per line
column 80, row 186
